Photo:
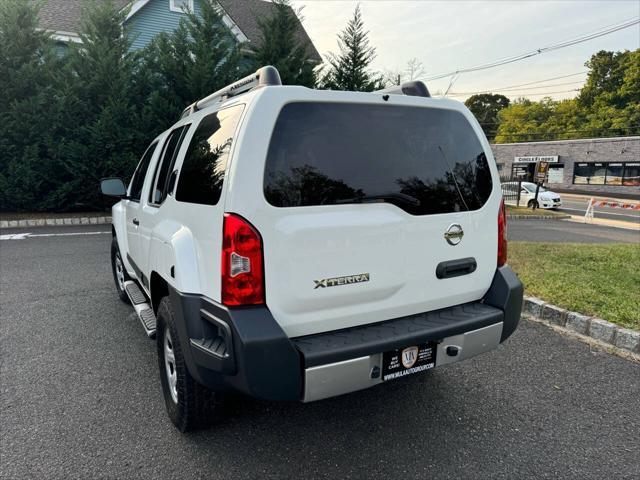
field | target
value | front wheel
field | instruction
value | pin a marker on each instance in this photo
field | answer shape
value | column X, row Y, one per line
column 119, row 272
column 190, row 405
column 533, row 204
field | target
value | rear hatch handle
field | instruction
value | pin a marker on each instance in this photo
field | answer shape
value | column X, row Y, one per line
column 456, row 268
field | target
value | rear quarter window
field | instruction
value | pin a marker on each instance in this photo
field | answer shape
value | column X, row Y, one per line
column 205, row 162
column 424, row 160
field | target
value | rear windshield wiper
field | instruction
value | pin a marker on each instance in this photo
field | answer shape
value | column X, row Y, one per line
column 383, row 197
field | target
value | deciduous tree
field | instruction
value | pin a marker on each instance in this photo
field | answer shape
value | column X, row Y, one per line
column 485, row 107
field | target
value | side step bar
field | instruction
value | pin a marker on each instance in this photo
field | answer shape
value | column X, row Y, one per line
column 142, row 307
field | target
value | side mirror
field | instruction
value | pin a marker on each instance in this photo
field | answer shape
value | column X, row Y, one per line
column 113, row 187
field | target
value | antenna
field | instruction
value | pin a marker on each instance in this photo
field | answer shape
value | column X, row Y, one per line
column 263, row 77
column 415, row 89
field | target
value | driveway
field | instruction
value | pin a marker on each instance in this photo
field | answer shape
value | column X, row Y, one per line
column 80, row 398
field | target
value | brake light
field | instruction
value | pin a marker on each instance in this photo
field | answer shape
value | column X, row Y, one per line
column 242, row 263
column 502, row 235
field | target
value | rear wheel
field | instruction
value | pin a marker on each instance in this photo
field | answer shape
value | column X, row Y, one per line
column 119, row 272
column 190, row 406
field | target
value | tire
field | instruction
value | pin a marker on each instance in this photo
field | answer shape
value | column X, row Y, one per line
column 532, row 203
column 119, row 271
column 190, row 406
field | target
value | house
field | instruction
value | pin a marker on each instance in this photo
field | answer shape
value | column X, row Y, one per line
column 147, row 18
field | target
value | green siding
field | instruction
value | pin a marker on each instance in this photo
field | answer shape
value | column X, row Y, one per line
column 153, row 18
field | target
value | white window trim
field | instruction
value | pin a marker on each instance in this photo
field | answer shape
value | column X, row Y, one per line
column 175, row 8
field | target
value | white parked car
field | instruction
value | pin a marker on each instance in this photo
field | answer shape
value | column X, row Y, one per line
column 546, row 198
column 297, row 244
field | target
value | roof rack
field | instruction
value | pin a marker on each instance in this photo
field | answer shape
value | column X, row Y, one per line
column 265, row 76
column 415, row 89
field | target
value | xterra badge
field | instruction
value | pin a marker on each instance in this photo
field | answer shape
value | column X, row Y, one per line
column 337, row 281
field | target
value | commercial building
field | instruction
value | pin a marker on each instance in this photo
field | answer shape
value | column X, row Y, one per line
column 596, row 166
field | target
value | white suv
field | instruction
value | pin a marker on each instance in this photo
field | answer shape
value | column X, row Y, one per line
column 296, row 244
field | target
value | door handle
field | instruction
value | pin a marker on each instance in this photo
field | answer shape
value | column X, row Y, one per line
column 455, row 268
column 135, row 221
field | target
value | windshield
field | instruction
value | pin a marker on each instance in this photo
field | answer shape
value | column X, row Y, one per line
column 531, row 188
column 423, row 160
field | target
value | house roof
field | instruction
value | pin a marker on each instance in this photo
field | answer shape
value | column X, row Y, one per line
column 245, row 14
column 63, row 16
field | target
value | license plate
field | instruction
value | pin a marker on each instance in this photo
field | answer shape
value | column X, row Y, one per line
column 407, row 361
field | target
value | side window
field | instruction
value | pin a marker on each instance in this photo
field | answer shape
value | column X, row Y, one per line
column 205, row 162
column 135, row 188
column 165, row 165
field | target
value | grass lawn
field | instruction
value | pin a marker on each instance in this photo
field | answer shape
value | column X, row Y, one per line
column 597, row 280
column 538, row 212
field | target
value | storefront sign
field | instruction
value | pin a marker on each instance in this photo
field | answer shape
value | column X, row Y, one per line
column 534, row 159
column 542, row 170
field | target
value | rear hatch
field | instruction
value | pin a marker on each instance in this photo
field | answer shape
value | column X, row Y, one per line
column 363, row 201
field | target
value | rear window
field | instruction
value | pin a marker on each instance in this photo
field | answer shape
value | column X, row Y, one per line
column 423, row 160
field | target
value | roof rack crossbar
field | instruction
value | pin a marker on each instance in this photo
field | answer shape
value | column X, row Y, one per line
column 415, row 88
column 265, row 76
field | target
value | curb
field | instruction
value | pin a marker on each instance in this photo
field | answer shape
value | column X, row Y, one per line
column 55, row 222
column 538, row 217
column 581, row 325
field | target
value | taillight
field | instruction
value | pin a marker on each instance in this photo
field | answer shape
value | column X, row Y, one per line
column 242, row 263
column 502, row 235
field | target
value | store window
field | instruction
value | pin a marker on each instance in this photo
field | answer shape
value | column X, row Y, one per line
column 614, row 174
column 556, row 173
column 623, row 174
column 582, row 173
column 598, row 174
column 631, row 175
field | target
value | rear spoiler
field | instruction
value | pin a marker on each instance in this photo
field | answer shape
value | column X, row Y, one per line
column 414, row 89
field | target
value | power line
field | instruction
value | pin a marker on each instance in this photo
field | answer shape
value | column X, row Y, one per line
column 545, row 80
column 515, row 94
column 519, row 89
column 539, row 51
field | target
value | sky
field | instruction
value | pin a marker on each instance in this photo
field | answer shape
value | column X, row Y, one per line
column 449, row 35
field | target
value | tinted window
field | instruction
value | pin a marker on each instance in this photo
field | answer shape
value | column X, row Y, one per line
column 137, row 182
column 632, row 174
column 423, row 160
column 165, row 166
column 205, row 162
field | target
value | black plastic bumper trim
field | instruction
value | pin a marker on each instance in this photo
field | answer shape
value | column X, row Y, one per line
column 261, row 361
column 264, row 363
column 506, row 293
column 340, row 345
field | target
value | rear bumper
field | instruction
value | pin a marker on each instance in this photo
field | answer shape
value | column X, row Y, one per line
column 244, row 349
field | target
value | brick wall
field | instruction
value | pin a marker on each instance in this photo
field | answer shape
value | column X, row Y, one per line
column 577, row 151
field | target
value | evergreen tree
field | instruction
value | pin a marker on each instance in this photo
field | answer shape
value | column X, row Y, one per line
column 281, row 46
column 98, row 133
column 27, row 98
column 350, row 69
column 201, row 56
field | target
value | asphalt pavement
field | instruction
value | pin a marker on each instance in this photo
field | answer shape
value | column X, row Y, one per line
column 80, row 398
column 578, row 206
column 566, row 231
